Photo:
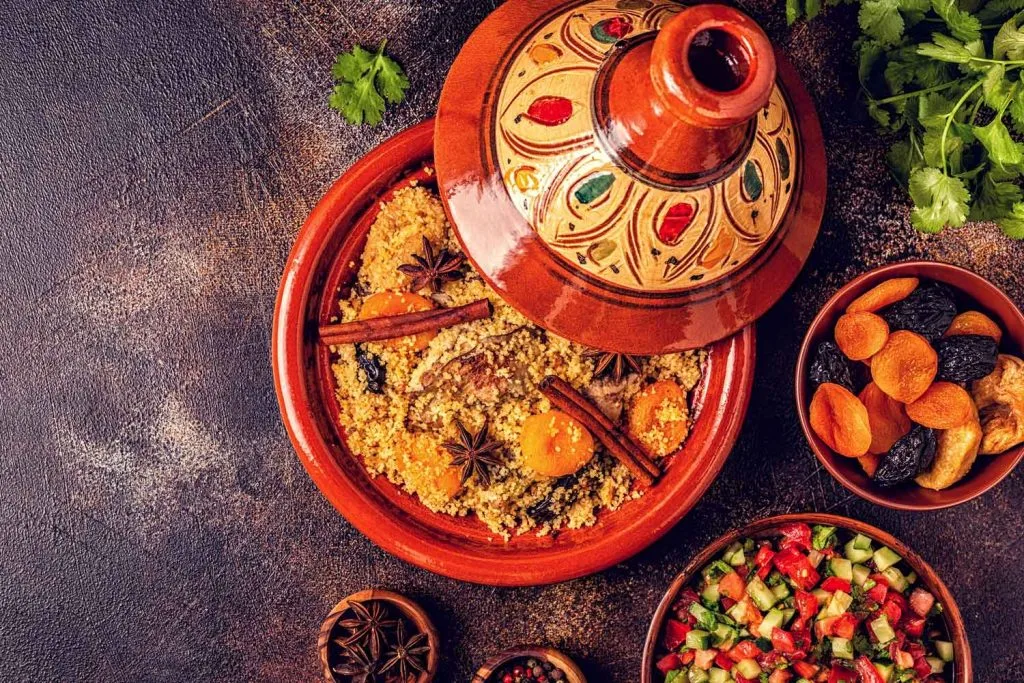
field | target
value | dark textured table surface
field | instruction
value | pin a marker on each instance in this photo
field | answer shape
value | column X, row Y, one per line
column 157, row 160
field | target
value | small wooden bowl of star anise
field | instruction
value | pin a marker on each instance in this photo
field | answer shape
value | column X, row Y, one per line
column 380, row 636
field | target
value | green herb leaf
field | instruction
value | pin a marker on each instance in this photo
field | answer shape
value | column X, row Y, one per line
column 995, row 86
column 939, row 200
column 961, row 24
column 1009, row 42
column 1013, row 223
column 945, row 49
column 1001, row 148
column 997, row 9
column 994, row 198
column 366, row 83
column 881, row 20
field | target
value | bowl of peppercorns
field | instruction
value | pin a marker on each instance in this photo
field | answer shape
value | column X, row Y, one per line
column 530, row 665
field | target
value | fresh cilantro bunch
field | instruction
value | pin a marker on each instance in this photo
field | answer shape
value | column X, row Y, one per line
column 365, row 83
column 945, row 77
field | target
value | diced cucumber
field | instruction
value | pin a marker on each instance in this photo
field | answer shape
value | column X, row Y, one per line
column 697, row 675
column 760, row 593
column 912, row 577
column 842, row 648
column 944, row 649
column 748, row 668
column 705, row 617
column 895, row 578
column 855, row 554
column 884, row 670
column 839, row 603
column 771, row 620
column 781, row 591
column 738, row 612
column 787, row 615
column 736, row 547
column 821, row 536
column 716, row 675
column 676, row 676
column 801, row 680
column 936, row 664
column 881, row 628
column 841, row 568
column 821, row 596
column 861, row 541
column 884, row 558
column 815, row 558
column 715, row 571
column 738, row 558
column 710, row 594
column 698, row 639
column 860, row 574
column 724, row 637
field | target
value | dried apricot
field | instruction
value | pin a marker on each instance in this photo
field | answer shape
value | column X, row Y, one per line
column 975, row 322
column 384, row 304
column 861, row 335
column 554, row 444
column 943, row 406
column 869, row 463
column 659, row 417
column 887, row 417
column 425, row 467
column 905, row 367
column 840, row 420
column 885, row 294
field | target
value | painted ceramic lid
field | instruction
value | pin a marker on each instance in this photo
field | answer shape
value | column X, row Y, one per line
column 635, row 175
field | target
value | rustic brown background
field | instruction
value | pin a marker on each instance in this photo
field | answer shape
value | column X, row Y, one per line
column 156, row 161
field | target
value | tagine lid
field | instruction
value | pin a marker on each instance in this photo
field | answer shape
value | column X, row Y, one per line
column 634, row 175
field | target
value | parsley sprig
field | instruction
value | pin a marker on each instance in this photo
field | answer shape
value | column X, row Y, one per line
column 946, row 78
column 366, row 82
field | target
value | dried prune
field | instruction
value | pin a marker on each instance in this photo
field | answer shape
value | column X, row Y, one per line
column 829, row 366
column 966, row 357
column 908, row 457
column 928, row 311
column 373, row 369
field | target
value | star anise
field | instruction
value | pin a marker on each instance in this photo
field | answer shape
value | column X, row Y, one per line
column 359, row 666
column 407, row 655
column 474, row 453
column 368, row 625
column 613, row 365
column 432, row 269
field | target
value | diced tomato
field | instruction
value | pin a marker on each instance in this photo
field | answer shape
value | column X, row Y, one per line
column 802, row 640
column 844, row 626
column 795, row 535
column 742, row 571
column 877, row 592
column 731, row 585
column 834, row 583
column 727, row 603
column 921, row 602
column 745, row 649
column 763, row 560
column 891, row 608
column 921, row 667
column 722, row 661
column 829, row 552
column 805, row 669
column 782, row 641
column 913, row 625
column 867, row 671
column 669, row 662
column 675, row 634
column 686, row 657
column 741, row 679
column 806, row 604
column 780, row 676
column 703, row 659
column 823, row 627
column 770, row 660
column 903, row 660
column 797, row 567
column 687, row 597
column 840, row 674
column 878, row 578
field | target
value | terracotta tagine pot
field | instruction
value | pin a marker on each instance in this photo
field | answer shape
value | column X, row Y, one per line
column 634, row 175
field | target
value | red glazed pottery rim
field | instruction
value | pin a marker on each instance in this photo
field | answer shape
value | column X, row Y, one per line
column 324, row 253
column 550, row 654
column 565, row 298
column 768, row 526
column 988, row 470
column 406, row 606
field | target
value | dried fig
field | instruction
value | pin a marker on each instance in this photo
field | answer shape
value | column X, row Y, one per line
column 956, row 452
column 905, row 367
column 943, row 406
column 1000, row 400
column 840, row 420
column 885, row 294
column 861, row 335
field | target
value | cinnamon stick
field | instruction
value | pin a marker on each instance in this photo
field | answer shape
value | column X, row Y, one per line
column 564, row 397
column 404, row 325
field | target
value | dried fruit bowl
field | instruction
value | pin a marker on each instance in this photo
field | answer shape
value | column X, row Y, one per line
column 988, row 470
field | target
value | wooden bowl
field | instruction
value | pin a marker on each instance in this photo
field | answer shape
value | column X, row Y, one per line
column 768, row 527
column 559, row 659
column 321, row 263
column 988, row 470
column 402, row 604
